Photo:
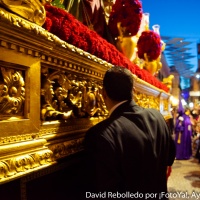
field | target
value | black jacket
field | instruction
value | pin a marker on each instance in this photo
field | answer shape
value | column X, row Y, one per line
column 129, row 151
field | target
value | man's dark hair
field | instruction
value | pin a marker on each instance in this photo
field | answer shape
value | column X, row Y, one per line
column 118, row 83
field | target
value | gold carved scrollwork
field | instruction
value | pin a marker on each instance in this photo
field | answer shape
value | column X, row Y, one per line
column 146, row 101
column 4, row 170
column 32, row 10
column 43, row 157
column 65, row 95
column 67, row 148
column 54, row 90
column 21, row 164
column 12, row 92
column 165, row 105
column 168, row 81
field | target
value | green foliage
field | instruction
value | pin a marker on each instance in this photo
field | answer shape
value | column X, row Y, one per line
column 58, row 4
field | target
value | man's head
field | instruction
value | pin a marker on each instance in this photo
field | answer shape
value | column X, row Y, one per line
column 118, row 84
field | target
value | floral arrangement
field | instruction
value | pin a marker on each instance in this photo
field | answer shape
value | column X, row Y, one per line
column 129, row 13
column 68, row 28
column 150, row 43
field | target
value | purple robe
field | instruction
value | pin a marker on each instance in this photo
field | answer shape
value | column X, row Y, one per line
column 183, row 134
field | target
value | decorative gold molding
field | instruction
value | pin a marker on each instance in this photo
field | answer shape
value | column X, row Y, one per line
column 21, row 158
column 65, row 95
column 67, row 148
column 24, row 25
column 29, row 144
column 146, row 88
column 147, row 101
column 18, row 138
column 17, row 163
column 19, row 48
column 12, row 89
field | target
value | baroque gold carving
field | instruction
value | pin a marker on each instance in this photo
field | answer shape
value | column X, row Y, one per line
column 71, row 84
column 18, row 138
column 168, row 81
column 65, row 95
column 66, row 148
column 165, row 105
column 24, row 163
column 12, row 92
column 146, row 101
column 31, row 10
column 4, row 170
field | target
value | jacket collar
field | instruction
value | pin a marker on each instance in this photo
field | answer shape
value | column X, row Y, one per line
column 123, row 107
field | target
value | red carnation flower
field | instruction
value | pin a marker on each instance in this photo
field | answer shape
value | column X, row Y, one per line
column 129, row 13
column 48, row 24
column 150, row 43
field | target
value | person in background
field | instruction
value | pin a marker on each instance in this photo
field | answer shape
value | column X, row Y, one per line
column 131, row 149
column 194, row 119
column 196, row 141
column 183, row 135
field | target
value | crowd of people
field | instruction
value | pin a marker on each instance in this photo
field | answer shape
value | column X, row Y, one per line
column 186, row 132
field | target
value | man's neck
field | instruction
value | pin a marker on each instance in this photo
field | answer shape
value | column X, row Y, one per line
column 115, row 106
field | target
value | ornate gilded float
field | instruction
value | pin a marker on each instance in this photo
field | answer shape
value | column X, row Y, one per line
column 50, row 94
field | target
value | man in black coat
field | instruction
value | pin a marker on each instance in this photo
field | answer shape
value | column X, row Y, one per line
column 129, row 152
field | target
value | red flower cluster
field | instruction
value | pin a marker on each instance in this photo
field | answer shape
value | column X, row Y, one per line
column 129, row 13
column 150, row 43
column 69, row 29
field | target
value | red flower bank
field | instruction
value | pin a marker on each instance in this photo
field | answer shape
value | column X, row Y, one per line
column 68, row 28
